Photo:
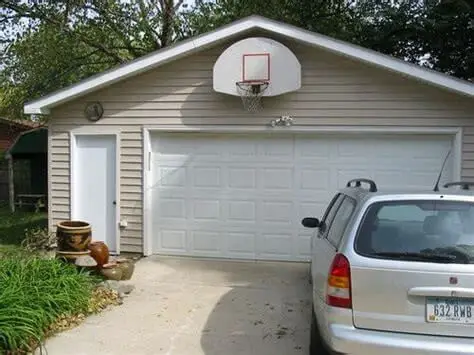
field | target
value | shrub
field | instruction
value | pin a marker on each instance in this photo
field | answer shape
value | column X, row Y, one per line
column 34, row 293
column 39, row 239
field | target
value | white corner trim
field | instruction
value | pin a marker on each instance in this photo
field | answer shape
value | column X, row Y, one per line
column 72, row 179
column 146, row 218
column 457, row 159
column 160, row 57
column 49, row 155
column 118, row 179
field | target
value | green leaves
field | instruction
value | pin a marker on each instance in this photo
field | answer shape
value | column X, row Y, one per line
column 34, row 292
column 47, row 45
column 435, row 33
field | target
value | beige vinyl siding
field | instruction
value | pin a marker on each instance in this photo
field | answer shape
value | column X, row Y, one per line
column 336, row 92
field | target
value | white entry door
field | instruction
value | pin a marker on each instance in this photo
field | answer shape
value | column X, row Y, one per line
column 94, row 186
column 243, row 196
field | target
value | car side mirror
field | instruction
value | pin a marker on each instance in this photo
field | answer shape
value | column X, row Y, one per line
column 310, row 222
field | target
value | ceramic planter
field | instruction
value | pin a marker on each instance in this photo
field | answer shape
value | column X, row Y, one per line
column 111, row 272
column 127, row 267
column 100, row 253
column 73, row 236
column 71, row 256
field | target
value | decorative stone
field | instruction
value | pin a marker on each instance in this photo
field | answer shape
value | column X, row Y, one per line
column 85, row 261
column 127, row 267
column 125, row 288
column 111, row 284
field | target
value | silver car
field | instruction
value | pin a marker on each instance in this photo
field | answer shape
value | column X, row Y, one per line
column 393, row 273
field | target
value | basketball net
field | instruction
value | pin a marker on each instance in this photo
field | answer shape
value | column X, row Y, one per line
column 251, row 93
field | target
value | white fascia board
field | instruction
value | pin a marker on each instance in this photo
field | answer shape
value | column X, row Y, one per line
column 372, row 57
column 43, row 105
column 138, row 66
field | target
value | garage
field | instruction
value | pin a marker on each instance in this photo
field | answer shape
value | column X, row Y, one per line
column 219, row 145
column 242, row 196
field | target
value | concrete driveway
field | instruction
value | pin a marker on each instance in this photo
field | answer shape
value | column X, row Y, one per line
column 195, row 307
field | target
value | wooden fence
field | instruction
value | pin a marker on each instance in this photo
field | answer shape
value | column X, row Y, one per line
column 22, row 181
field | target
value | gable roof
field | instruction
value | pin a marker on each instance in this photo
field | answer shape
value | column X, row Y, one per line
column 193, row 45
column 31, row 142
column 19, row 124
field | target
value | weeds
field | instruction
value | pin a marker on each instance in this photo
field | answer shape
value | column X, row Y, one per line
column 39, row 239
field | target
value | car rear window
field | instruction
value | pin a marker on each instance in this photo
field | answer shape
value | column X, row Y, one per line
column 429, row 231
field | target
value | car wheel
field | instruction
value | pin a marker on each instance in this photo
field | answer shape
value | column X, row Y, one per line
column 316, row 345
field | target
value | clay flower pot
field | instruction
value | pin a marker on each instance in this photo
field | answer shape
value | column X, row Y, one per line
column 112, row 271
column 127, row 267
column 71, row 256
column 73, row 236
column 100, row 253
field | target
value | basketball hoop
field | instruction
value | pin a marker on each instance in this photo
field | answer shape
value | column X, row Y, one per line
column 251, row 93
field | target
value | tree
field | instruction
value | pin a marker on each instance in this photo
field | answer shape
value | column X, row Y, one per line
column 51, row 44
column 448, row 37
column 327, row 17
column 435, row 33
column 47, row 45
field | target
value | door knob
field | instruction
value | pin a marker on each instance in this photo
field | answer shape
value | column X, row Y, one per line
column 115, row 202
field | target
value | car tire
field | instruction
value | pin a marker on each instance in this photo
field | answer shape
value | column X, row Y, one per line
column 316, row 345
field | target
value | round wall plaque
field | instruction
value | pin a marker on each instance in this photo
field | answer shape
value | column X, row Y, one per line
column 94, row 111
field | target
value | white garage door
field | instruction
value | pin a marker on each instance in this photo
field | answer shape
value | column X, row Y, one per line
column 237, row 196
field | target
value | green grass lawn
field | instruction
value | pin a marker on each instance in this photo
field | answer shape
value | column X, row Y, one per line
column 13, row 225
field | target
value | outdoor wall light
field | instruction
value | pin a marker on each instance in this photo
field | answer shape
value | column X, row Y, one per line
column 285, row 121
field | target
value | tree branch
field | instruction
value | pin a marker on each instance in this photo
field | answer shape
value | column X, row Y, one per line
column 143, row 13
column 107, row 18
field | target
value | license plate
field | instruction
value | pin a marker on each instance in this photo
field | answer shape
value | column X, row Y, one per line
column 450, row 310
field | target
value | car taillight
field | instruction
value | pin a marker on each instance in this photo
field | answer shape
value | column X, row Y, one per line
column 339, row 283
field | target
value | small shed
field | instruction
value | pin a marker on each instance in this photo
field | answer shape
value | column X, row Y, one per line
column 30, row 146
column 9, row 131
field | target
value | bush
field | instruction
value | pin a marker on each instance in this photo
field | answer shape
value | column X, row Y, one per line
column 34, row 293
column 39, row 239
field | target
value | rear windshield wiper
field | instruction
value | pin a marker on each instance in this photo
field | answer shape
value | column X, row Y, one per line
column 419, row 256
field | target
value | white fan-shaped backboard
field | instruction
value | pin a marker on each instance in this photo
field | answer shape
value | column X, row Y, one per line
column 257, row 59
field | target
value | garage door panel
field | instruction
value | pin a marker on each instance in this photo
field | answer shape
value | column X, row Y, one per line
column 240, row 196
column 171, row 208
column 242, row 177
column 206, row 241
column 168, row 175
column 171, row 239
column 242, row 211
column 266, row 211
column 241, row 243
column 279, row 212
column 312, row 208
column 275, row 246
column 310, row 178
